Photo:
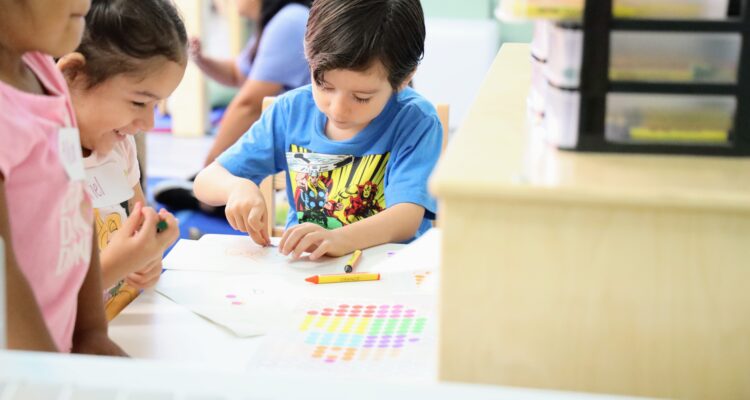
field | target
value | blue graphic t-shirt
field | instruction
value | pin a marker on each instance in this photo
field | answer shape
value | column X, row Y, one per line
column 335, row 183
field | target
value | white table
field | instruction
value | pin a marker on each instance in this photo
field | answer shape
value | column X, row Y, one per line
column 154, row 327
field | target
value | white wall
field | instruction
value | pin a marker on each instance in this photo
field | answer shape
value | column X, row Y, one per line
column 458, row 53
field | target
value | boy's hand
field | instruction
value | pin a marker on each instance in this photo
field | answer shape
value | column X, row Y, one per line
column 316, row 240
column 246, row 212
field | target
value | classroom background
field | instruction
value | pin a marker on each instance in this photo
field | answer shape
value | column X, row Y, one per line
column 450, row 27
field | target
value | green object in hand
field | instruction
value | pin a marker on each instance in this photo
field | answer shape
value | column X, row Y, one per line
column 161, row 226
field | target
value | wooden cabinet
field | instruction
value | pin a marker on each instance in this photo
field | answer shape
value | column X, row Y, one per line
column 589, row 272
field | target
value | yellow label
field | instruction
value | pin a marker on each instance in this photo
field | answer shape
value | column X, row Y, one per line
column 680, row 136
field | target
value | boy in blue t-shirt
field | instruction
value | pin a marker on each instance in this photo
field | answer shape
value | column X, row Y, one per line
column 357, row 144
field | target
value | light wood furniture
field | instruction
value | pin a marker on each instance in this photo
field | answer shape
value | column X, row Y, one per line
column 273, row 184
column 188, row 105
column 589, row 272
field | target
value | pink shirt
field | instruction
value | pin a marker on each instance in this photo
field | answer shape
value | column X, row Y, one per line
column 50, row 215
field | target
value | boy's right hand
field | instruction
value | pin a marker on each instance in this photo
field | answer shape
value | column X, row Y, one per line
column 246, row 212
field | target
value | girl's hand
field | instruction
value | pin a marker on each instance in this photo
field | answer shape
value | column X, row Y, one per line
column 246, row 212
column 146, row 277
column 137, row 243
column 316, row 240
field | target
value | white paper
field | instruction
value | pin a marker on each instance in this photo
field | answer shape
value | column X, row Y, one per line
column 238, row 253
column 264, row 299
column 247, row 305
column 421, row 255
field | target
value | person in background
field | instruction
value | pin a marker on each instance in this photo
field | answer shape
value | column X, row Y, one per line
column 272, row 62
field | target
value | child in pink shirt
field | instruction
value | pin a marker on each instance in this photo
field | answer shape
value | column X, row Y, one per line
column 53, row 277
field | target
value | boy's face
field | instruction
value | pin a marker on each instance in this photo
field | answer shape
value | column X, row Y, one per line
column 121, row 105
column 53, row 27
column 351, row 99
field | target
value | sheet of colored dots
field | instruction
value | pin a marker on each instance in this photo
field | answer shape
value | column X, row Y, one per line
column 350, row 332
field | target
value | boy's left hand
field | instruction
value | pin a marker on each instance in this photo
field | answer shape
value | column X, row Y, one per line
column 315, row 239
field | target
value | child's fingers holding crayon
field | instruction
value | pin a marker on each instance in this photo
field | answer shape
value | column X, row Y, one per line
column 150, row 219
column 171, row 228
column 134, row 221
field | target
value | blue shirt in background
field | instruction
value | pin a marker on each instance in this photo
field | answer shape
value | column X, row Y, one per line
column 281, row 53
column 334, row 183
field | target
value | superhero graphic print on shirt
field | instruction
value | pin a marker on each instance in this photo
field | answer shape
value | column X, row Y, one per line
column 332, row 190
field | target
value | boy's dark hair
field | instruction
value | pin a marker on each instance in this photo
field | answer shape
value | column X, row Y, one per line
column 268, row 10
column 352, row 34
column 121, row 34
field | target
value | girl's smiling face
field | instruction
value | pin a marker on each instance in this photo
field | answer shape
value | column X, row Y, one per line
column 121, row 105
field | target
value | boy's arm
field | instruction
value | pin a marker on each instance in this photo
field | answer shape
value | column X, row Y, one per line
column 90, row 334
column 214, row 184
column 397, row 223
column 26, row 327
column 246, row 209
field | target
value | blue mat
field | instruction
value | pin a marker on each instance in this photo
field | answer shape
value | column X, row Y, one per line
column 163, row 122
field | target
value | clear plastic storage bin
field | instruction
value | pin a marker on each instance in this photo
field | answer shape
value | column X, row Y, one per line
column 539, row 41
column 669, row 119
column 672, row 57
column 561, row 117
column 538, row 89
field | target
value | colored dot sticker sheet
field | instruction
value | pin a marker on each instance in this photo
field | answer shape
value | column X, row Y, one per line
column 363, row 338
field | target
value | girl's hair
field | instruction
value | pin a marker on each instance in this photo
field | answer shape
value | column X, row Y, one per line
column 122, row 35
column 352, row 34
column 268, row 10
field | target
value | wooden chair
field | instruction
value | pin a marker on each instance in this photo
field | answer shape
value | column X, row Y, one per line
column 275, row 183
